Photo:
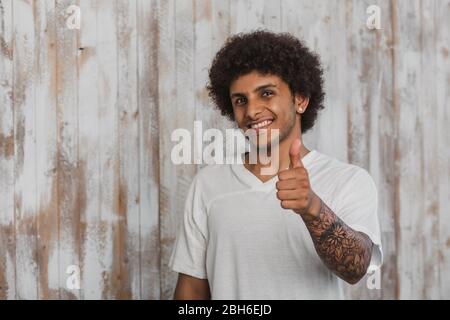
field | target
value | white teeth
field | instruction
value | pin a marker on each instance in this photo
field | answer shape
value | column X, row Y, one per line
column 261, row 124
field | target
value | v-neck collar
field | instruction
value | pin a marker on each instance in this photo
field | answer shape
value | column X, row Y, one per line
column 247, row 177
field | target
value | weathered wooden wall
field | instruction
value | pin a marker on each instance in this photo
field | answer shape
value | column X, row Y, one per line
column 86, row 117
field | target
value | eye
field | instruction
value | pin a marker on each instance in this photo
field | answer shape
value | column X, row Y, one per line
column 239, row 101
column 267, row 93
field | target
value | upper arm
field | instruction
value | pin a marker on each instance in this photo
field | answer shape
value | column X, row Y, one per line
column 189, row 252
column 191, row 288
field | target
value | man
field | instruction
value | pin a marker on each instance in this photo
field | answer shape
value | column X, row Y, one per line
column 290, row 235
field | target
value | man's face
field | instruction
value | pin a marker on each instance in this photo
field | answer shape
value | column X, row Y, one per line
column 263, row 102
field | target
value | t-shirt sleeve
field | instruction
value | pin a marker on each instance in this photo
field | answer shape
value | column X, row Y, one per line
column 358, row 208
column 189, row 253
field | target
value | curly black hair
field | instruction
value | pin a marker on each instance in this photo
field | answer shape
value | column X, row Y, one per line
column 266, row 52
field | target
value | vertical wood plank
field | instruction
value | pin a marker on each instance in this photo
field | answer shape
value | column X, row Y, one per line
column 126, row 231
column 407, row 69
column 99, row 129
column 211, row 29
column 202, row 53
column 255, row 15
column 25, row 149
column 70, row 174
column 418, row 220
column 428, row 221
column 394, row 165
column 272, row 15
column 383, row 162
column 93, row 229
column 151, row 16
column 220, row 27
column 110, row 246
column 46, row 151
column 238, row 16
column 442, row 89
column 7, row 227
column 174, row 180
column 370, row 122
column 248, row 15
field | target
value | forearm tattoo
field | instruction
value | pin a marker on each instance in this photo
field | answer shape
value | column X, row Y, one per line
column 343, row 250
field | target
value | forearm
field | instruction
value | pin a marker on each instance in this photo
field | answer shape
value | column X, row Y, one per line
column 190, row 294
column 191, row 288
column 343, row 250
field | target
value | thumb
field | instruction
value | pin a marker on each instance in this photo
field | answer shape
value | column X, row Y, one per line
column 294, row 154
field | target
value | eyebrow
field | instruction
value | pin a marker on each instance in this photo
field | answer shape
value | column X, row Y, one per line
column 262, row 87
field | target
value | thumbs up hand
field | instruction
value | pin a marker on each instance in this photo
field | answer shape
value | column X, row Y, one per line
column 293, row 187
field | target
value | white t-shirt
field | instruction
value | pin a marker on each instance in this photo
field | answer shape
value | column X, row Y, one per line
column 236, row 234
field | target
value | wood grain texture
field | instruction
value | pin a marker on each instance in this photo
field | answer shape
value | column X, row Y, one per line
column 93, row 229
column 126, row 229
column 25, row 186
column 442, row 116
column 369, row 57
column 149, row 146
column 86, row 117
column 69, row 166
column 7, row 220
column 46, row 151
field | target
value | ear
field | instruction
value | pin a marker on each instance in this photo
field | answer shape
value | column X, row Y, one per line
column 301, row 103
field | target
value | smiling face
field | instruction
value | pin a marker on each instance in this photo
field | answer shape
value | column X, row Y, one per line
column 264, row 102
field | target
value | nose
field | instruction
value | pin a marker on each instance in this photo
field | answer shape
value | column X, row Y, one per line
column 254, row 107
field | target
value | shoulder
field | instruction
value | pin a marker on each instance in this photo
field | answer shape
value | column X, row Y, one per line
column 213, row 180
column 345, row 175
column 212, row 173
